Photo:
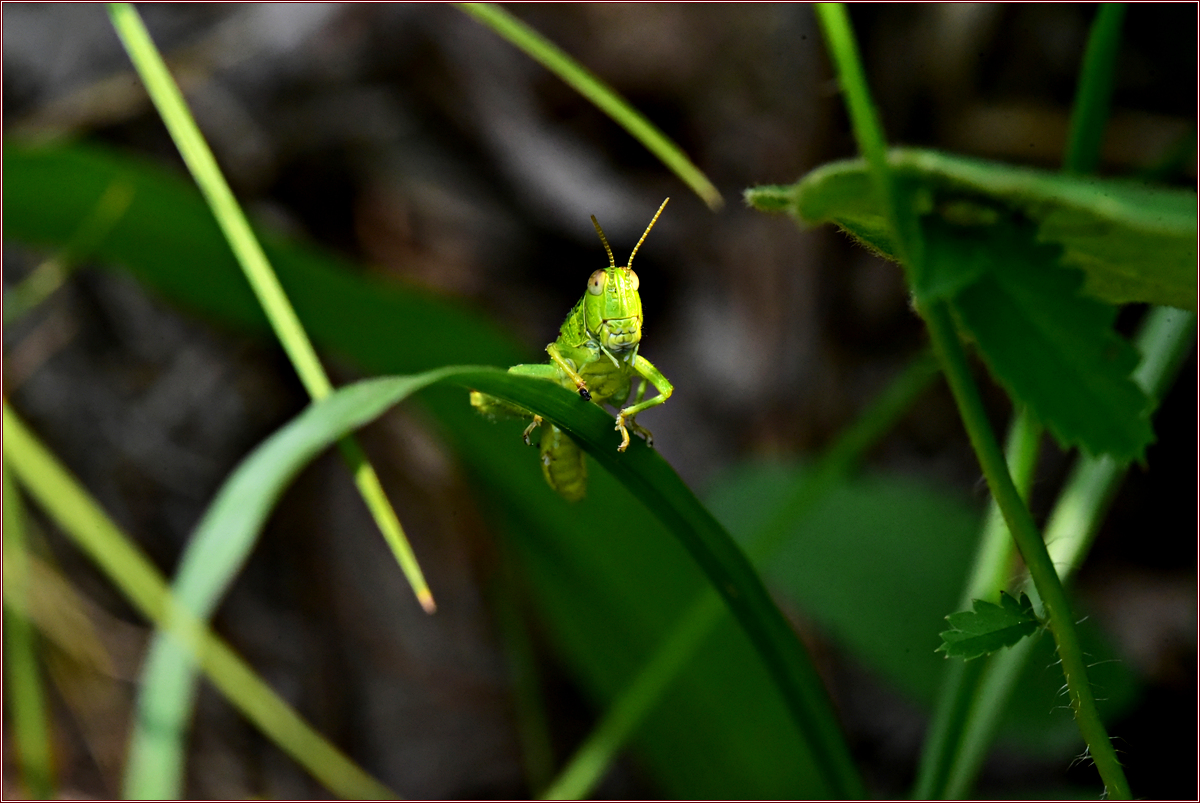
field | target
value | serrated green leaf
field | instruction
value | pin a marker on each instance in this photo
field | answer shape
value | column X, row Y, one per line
column 988, row 627
column 1134, row 241
column 1050, row 346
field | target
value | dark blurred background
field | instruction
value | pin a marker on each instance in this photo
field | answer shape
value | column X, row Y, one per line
column 416, row 142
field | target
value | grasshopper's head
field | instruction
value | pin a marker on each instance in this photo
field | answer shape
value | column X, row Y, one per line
column 612, row 307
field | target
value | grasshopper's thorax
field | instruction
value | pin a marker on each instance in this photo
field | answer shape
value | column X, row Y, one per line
column 613, row 310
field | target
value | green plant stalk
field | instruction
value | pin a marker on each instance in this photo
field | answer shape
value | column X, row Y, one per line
column 599, row 93
column 1164, row 339
column 1094, row 95
column 993, row 565
column 994, row 562
column 26, row 695
column 843, row 51
column 86, row 523
column 1030, row 544
column 167, row 98
column 632, row 705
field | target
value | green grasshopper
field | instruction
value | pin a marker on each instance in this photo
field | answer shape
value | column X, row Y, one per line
column 596, row 353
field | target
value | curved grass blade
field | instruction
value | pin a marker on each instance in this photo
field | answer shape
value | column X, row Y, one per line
column 195, row 152
column 228, row 530
column 542, row 50
column 86, row 523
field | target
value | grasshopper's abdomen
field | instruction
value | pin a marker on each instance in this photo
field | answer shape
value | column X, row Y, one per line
column 563, row 463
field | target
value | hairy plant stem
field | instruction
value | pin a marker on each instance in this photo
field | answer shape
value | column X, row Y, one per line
column 1029, row 543
column 839, row 37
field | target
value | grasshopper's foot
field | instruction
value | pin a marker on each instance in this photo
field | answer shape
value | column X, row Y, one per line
column 585, row 394
column 537, row 420
column 624, row 424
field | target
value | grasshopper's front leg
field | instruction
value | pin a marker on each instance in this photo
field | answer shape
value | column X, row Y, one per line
column 649, row 373
column 560, row 362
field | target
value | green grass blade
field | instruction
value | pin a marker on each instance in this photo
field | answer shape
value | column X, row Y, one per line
column 81, row 519
column 167, row 98
column 603, row 96
column 26, row 696
column 172, row 108
column 650, row 479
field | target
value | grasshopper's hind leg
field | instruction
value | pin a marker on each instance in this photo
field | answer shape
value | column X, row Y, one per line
column 541, row 371
column 494, row 407
column 537, row 422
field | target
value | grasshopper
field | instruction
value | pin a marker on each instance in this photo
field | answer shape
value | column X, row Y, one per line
column 596, row 354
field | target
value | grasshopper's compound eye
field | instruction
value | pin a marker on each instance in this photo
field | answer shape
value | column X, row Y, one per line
column 633, row 279
column 596, row 282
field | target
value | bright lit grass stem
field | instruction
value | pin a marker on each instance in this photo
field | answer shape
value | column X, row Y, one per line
column 167, row 98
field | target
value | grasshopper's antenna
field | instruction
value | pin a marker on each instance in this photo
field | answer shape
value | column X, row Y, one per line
column 629, row 264
column 612, row 263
